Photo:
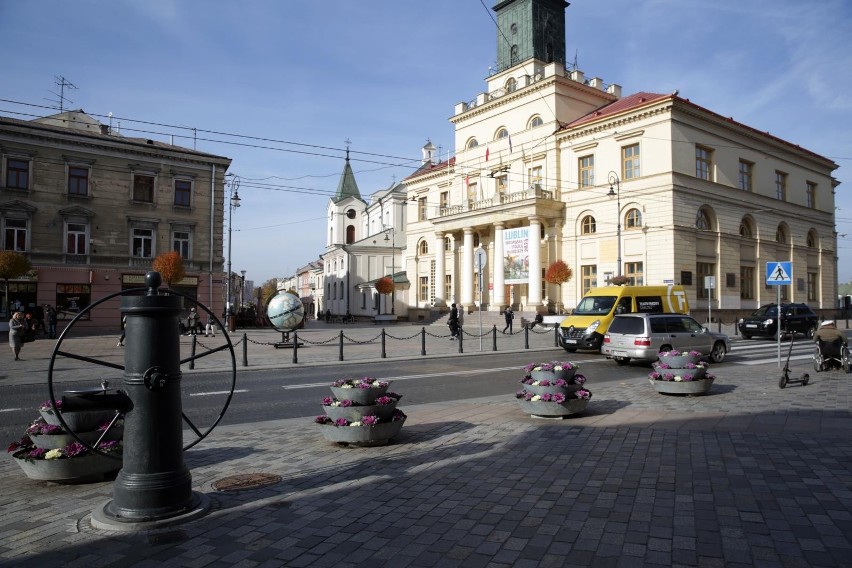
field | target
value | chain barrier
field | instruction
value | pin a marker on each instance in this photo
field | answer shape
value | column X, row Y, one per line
column 326, row 342
column 389, row 336
column 435, row 335
column 249, row 340
column 356, row 342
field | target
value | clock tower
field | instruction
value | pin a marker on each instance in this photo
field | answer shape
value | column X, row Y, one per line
column 530, row 29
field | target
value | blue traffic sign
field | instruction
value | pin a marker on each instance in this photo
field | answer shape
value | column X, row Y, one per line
column 779, row 273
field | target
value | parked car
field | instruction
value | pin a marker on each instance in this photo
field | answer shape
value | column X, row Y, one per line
column 644, row 336
column 763, row 322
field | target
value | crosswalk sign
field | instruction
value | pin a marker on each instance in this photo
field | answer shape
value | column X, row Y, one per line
column 779, row 273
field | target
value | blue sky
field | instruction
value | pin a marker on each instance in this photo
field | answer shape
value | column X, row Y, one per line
column 386, row 74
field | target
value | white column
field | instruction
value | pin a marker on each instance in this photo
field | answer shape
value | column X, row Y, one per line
column 499, row 274
column 440, row 270
column 534, row 291
column 467, row 269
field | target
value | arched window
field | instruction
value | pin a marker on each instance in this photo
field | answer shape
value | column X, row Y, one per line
column 535, row 122
column 702, row 220
column 424, row 247
column 633, row 219
column 448, row 243
column 781, row 234
column 513, row 54
column 472, row 143
column 812, row 239
column 350, row 234
column 745, row 229
column 501, row 133
column 588, row 225
column 511, row 85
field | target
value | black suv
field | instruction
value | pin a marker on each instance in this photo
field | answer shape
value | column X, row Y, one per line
column 795, row 318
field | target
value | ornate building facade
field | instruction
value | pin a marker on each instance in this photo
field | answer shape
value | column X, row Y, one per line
column 552, row 165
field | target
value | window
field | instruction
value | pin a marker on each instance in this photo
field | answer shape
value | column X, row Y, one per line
column 781, row 235
column 448, row 286
column 589, row 274
column 183, row 192
column 71, row 299
column 703, row 163
column 180, row 243
column 587, row 171
column 350, row 234
column 78, row 180
column 780, row 186
column 421, row 209
column 445, row 199
column 501, row 133
column 472, row 191
column 535, row 122
column 534, row 175
column 588, row 225
column 810, row 194
column 812, row 286
column 502, row 183
column 703, row 269
column 633, row 219
column 745, row 176
column 476, row 240
column 513, row 54
column 424, row 289
column 634, row 271
column 511, row 85
column 747, row 283
column 143, row 243
column 17, row 173
column 630, row 161
column 76, row 238
column 702, row 220
column 472, row 143
column 811, row 240
column 143, row 188
column 448, row 243
column 16, row 235
column 423, row 248
column 746, row 230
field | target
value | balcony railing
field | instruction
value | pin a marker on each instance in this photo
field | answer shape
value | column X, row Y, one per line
column 501, row 199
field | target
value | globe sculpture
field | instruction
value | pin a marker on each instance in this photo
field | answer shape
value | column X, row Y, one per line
column 285, row 311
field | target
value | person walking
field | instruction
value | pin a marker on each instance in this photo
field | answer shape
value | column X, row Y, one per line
column 29, row 327
column 192, row 321
column 123, row 332
column 210, row 328
column 509, row 315
column 50, row 316
column 16, row 331
column 453, row 323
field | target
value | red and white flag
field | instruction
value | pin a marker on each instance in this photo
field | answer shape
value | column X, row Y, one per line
column 487, row 150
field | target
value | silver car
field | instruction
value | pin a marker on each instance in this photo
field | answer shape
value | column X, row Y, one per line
column 644, row 336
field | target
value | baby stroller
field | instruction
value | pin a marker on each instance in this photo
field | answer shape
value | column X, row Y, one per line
column 832, row 355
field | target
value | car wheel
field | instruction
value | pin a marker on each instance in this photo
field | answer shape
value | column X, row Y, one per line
column 811, row 331
column 569, row 349
column 622, row 360
column 717, row 355
column 746, row 336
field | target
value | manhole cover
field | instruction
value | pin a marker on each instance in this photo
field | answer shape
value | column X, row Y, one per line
column 246, row 481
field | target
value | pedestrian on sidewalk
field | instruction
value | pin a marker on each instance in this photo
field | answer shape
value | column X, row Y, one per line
column 16, row 330
column 210, row 328
column 123, row 332
column 192, row 321
column 50, row 316
column 453, row 323
column 509, row 315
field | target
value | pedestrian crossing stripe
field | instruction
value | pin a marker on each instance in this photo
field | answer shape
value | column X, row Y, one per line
column 779, row 273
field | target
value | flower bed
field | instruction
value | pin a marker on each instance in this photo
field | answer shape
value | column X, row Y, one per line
column 553, row 389
column 382, row 408
column 359, row 391
column 72, row 463
column 677, row 359
column 551, row 370
column 681, row 373
column 361, row 413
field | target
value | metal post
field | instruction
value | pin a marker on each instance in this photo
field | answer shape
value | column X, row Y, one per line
column 384, row 355
column 526, row 336
column 461, row 340
column 494, row 338
column 234, row 202
column 613, row 179
column 192, row 351
column 295, row 346
column 422, row 341
column 556, row 335
column 245, row 350
column 340, row 358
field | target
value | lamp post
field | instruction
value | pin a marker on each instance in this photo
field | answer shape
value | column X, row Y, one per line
column 613, row 180
column 242, row 292
column 393, row 268
column 233, row 203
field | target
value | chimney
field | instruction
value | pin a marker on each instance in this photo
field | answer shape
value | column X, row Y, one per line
column 104, row 129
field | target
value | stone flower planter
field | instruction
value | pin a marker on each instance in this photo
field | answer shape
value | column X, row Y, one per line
column 682, row 387
column 356, row 413
column 59, row 441
column 78, row 421
column 79, row 469
column 554, row 409
column 376, row 435
column 679, row 361
column 359, row 395
column 567, row 390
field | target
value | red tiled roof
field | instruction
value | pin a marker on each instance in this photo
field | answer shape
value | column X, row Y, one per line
column 621, row 105
column 430, row 167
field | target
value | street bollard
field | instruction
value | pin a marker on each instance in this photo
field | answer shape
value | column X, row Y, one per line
column 193, row 345
column 384, row 355
column 494, row 338
column 526, row 336
column 422, row 341
column 341, row 345
column 295, row 346
column 461, row 340
column 245, row 350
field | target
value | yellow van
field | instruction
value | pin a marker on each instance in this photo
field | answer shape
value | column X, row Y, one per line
column 588, row 322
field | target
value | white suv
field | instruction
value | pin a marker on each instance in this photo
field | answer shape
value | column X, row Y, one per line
column 644, row 336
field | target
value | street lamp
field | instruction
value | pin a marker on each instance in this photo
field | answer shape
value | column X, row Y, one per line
column 242, row 292
column 233, row 203
column 613, row 179
column 393, row 268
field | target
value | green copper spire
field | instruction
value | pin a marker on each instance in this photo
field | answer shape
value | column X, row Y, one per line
column 347, row 186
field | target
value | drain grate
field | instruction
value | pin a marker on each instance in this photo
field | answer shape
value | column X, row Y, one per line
column 246, row 481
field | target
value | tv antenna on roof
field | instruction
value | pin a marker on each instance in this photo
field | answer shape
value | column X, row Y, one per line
column 61, row 84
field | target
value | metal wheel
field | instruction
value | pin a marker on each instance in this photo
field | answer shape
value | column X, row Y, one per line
column 717, row 355
column 783, row 381
column 805, row 378
column 846, row 359
column 200, row 433
column 818, row 360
